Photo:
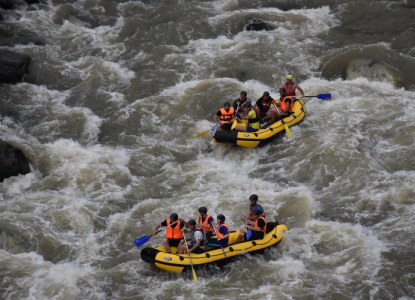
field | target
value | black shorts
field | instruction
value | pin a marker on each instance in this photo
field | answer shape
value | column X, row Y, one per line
column 198, row 250
column 208, row 234
column 263, row 113
column 256, row 235
column 226, row 126
column 174, row 242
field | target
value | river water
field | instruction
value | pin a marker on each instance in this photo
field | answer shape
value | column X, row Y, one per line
column 108, row 117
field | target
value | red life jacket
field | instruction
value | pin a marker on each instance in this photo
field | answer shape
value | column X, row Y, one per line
column 174, row 233
column 266, row 105
column 205, row 223
column 256, row 224
column 282, row 104
column 226, row 116
column 289, row 89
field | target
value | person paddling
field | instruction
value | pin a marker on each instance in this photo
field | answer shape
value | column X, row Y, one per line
column 174, row 232
column 205, row 222
column 222, row 233
column 291, row 86
column 241, row 101
column 197, row 243
column 257, row 227
column 263, row 105
column 282, row 106
column 225, row 117
column 254, row 205
column 251, row 116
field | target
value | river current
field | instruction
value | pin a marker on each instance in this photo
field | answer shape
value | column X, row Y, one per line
column 108, row 116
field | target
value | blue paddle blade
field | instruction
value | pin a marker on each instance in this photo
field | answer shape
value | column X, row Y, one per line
column 324, row 96
column 248, row 234
column 142, row 240
column 214, row 128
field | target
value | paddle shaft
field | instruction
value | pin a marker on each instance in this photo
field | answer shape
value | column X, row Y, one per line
column 190, row 259
column 166, row 226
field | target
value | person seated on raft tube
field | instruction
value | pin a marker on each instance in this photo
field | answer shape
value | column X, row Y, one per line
column 226, row 116
column 205, row 222
column 254, row 205
column 283, row 105
column 174, row 232
column 197, row 243
column 241, row 101
column 251, row 116
column 263, row 105
column 257, row 227
column 290, row 86
column 222, row 233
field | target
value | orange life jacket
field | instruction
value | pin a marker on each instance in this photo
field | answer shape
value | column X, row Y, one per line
column 174, row 233
column 205, row 223
column 282, row 103
column 226, row 116
column 289, row 89
column 256, row 224
column 220, row 235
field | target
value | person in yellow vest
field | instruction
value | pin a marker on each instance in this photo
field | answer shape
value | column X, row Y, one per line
column 205, row 222
column 225, row 117
column 251, row 116
column 173, row 231
column 257, row 228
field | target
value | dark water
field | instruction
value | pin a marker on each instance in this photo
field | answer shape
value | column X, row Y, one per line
column 108, row 116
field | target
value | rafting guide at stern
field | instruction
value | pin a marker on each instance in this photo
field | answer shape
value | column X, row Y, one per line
column 226, row 116
column 290, row 86
column 174, row 232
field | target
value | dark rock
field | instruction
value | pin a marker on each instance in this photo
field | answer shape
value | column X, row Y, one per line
column 12, row 161
column 32, row 1
column 257, row 25
column 10, row 4
column 12, row 66
column 7, row 4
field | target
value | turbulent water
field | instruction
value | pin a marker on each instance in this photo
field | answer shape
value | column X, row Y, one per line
column 108, row 116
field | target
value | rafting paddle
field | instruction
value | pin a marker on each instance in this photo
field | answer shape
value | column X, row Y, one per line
column 287, row 130
column 321, row 96
column 146, row 238
column 203, row 133
column 193, row 270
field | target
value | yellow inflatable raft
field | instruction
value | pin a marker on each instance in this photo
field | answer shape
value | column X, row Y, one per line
column 179, row 262
column 266, row 133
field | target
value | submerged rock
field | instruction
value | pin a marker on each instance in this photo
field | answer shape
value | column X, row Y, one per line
column 12, row 161
column 257, row 25
column 13, row 66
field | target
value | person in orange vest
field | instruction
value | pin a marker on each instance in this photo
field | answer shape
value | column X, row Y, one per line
column 225, row 117
column 173, row 231
column 290, row 86
column 205, row 222
column 222, row 233
column 284, row 105
column 257, row 228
